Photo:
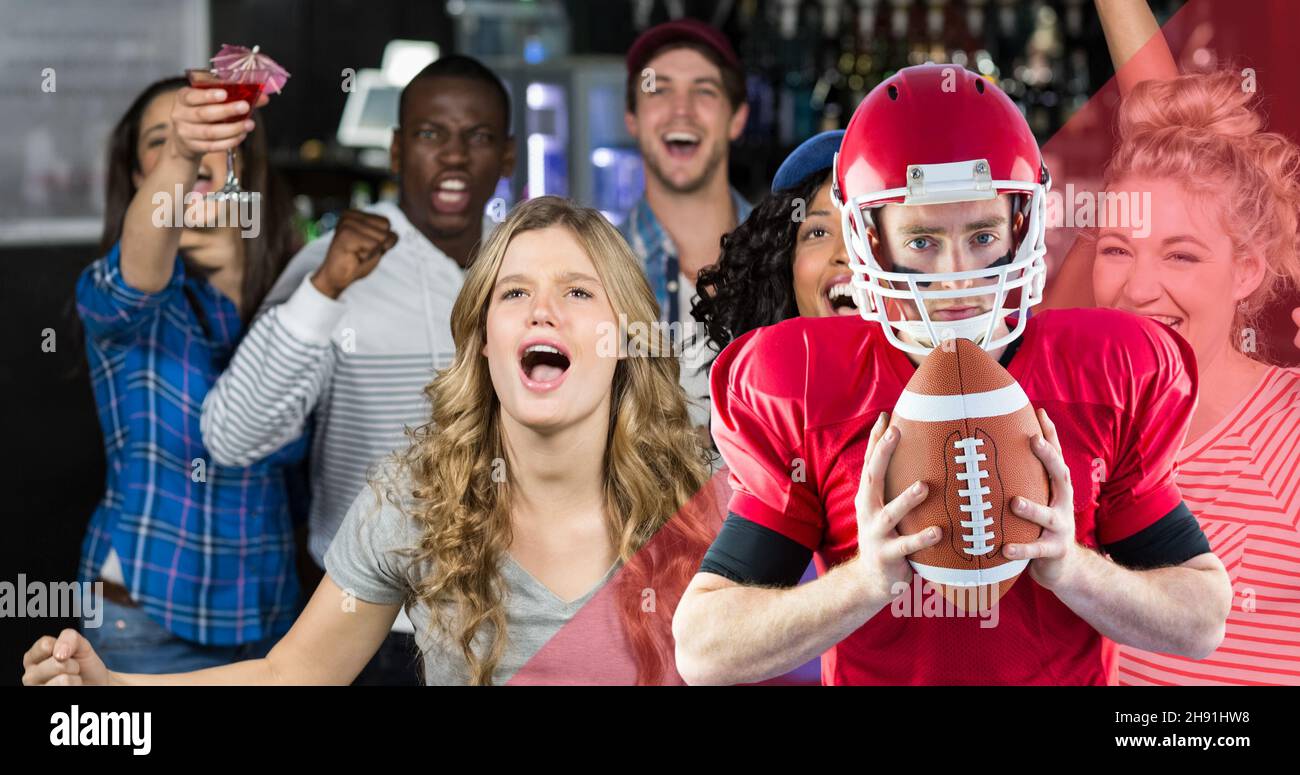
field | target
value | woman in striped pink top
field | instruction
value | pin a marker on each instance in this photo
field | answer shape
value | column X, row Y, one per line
column 1218, row 244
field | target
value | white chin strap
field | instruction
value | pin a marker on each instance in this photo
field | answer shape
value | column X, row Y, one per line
column 974, row 328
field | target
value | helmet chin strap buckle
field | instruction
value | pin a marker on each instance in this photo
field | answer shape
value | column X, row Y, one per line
column 959, row 181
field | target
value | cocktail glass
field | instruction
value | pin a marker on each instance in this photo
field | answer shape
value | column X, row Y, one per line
column 248, row 90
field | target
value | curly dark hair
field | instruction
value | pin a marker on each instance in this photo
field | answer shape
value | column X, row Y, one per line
column 752, row 284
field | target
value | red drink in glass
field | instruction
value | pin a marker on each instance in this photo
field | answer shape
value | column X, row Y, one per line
column 248, row 91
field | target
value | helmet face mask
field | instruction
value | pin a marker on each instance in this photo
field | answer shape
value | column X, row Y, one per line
column 970, row 162
column 1003, row 287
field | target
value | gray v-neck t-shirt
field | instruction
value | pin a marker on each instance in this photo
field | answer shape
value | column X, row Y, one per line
column 370, row 558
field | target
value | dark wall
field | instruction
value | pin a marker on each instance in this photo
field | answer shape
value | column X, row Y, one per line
column 53, row 469
column 315, row 40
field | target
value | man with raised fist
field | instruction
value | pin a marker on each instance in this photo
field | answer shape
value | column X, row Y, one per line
column 360, row 240
column 360, row 321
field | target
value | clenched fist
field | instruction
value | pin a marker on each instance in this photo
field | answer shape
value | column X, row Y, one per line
column 360, row 240
column 68, row 661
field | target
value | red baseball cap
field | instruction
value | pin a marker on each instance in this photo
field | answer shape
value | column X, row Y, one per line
column 649, row 42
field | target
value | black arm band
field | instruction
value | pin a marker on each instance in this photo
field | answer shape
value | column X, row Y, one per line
column 748, row 553
column 1173, row 539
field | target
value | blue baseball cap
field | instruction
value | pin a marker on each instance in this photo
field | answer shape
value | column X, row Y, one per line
column 816, row 154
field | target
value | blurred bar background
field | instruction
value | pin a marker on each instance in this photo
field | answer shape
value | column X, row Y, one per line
column 808, row 63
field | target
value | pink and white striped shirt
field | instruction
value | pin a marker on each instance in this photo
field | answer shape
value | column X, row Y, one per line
column 1242, row 480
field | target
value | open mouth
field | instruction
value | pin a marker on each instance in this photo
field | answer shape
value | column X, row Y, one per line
column 840, row 298
column 1172, row 321
column 681, row 145
column 451, row 194
column 543, row 365
column 203, row 182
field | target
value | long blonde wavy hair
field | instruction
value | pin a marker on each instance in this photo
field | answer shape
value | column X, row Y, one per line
column 653, row 464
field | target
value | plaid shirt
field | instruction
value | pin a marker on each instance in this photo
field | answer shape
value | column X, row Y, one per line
column 651, row 243
column 206, row 550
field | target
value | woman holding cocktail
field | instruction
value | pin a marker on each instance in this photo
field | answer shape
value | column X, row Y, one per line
column 196, row 558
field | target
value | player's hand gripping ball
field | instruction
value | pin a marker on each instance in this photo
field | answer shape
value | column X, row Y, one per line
column 967, row 428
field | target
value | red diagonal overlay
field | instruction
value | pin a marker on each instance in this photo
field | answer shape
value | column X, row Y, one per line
column 1204, row 34
column 623, row 635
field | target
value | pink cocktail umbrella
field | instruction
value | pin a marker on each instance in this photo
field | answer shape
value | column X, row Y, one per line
column 242, row 65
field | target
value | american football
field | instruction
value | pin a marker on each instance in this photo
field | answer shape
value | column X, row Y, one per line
column 966, row 428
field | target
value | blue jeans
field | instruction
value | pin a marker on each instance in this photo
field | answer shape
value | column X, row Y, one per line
column 130, row 642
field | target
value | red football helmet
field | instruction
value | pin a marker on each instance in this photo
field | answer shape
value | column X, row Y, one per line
column 934, row 134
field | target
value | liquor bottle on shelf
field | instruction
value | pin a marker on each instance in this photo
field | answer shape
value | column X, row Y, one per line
column 937, row 31
column 1076, row 75
column 758, row 51
column 837, row 39
column 976, row 17
column 1043, row 72
column 799, row 75
column 964, row 33
column 832, row 19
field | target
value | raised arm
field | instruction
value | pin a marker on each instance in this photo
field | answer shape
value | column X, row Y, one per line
column 199, row 125
column 1139, row 51
column 116, row 293
column 262, row 400
column 1137, row 47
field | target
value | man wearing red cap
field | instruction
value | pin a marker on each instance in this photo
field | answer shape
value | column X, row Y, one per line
column 685, row 104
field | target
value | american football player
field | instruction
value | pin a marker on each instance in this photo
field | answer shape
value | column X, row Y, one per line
column 940, row 187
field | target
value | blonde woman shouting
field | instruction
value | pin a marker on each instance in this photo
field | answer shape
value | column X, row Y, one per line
column 551, row 458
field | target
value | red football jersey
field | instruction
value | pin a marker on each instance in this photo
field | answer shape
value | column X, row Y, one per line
column 793, row 405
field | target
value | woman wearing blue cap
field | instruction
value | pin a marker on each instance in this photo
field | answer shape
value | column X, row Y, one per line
column 787, row 259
